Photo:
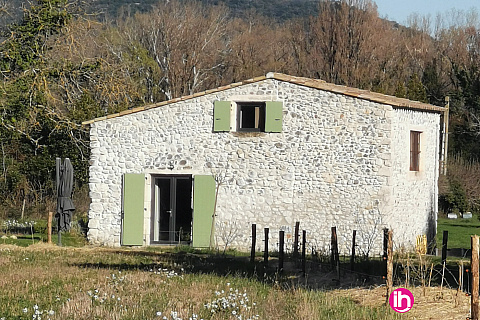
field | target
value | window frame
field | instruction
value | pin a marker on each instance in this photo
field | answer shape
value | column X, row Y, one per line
column 242, row 110
column 415, row 150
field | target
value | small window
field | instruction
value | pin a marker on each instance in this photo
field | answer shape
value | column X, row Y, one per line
column 414, row 150
column 251, row 116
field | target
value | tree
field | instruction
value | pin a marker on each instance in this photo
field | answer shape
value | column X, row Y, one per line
column 187, row 42
column 415, row 89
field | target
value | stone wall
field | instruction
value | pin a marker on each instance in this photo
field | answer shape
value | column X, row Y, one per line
column 415, row 193
column 332, row 165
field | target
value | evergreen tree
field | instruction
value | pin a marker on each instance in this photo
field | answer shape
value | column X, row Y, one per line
column 415, row 89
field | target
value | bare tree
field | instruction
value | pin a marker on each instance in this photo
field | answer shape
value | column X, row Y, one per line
column 187, row 41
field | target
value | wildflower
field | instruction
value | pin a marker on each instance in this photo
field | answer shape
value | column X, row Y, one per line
column 25, row 310
column 159, row 313
column 51, row 312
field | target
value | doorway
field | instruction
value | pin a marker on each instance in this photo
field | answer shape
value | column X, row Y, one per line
column 171, row 209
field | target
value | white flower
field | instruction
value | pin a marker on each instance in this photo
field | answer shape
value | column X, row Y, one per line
column 25, row 310
column 159, row 313
column 51, row 312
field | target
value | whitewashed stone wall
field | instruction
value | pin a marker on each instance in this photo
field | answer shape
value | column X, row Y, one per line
column 415, row 194
column 334, row 164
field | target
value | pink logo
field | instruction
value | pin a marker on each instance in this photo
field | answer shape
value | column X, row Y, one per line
column 401, row 300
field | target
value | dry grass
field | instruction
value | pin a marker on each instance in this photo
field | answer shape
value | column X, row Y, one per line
column 100, row 283
column 435, row 304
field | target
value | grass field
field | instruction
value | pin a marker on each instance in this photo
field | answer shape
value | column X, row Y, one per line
column 61, row 283
column 459, row 231
column 48, row 282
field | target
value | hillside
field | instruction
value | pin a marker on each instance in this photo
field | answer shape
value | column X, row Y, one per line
column 277, row 9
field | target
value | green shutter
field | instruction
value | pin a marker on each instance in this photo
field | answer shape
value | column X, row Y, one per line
column 203, row 206
column 273, row 116
column 133, row 212
column 221, row 116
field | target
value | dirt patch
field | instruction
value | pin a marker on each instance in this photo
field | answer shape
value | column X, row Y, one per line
column 431, row 303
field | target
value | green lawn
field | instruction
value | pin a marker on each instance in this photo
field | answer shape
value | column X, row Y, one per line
column 459, row 231
column 69, row 239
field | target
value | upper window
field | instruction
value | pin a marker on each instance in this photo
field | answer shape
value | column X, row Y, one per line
column 415, row 150
column 250, row 116
column 260, row 116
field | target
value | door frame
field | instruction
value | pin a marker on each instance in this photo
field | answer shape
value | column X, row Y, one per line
column 173, row 178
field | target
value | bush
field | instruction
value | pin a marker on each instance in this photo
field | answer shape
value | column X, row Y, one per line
column 455, row 199
column 459, row 190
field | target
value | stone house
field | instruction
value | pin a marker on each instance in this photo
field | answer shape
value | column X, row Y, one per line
column 271, row 150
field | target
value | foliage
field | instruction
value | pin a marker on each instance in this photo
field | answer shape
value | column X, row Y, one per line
column 459, row 190
column 415, row 89
column 455, row 200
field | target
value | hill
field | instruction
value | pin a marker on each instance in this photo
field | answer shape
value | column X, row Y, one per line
column 277, row 9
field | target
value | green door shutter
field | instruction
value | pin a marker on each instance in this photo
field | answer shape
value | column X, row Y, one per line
column 203, row 206
column 133, row 212
column 273, row 116
column 221, row 116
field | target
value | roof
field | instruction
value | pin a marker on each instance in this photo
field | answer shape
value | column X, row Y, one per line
column 307, row 82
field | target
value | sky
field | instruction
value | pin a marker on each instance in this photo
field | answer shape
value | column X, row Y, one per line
column 399, row 10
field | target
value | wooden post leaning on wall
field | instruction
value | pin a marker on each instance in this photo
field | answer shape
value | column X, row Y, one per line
column 335, row 255
column 443, row 159
column 49, row 227
column 334, row 245
column 295, row 244
column 352, row 258
column 475, row 278
column 304, row 250
column 389, row 263
column 281, row 253
column 254, row 243
column 265, row 252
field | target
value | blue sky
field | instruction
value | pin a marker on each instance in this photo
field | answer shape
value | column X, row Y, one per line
column 399, row 10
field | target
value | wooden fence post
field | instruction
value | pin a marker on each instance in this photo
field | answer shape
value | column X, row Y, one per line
column 254, row 242
column 444, row 247
column 304, row 257
column 265, row 253
column 352, row 258
column 295, row 244
column 335, row 256
column 475, row 278
column 49, row 227
column 281, row 254
column 389, row 263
